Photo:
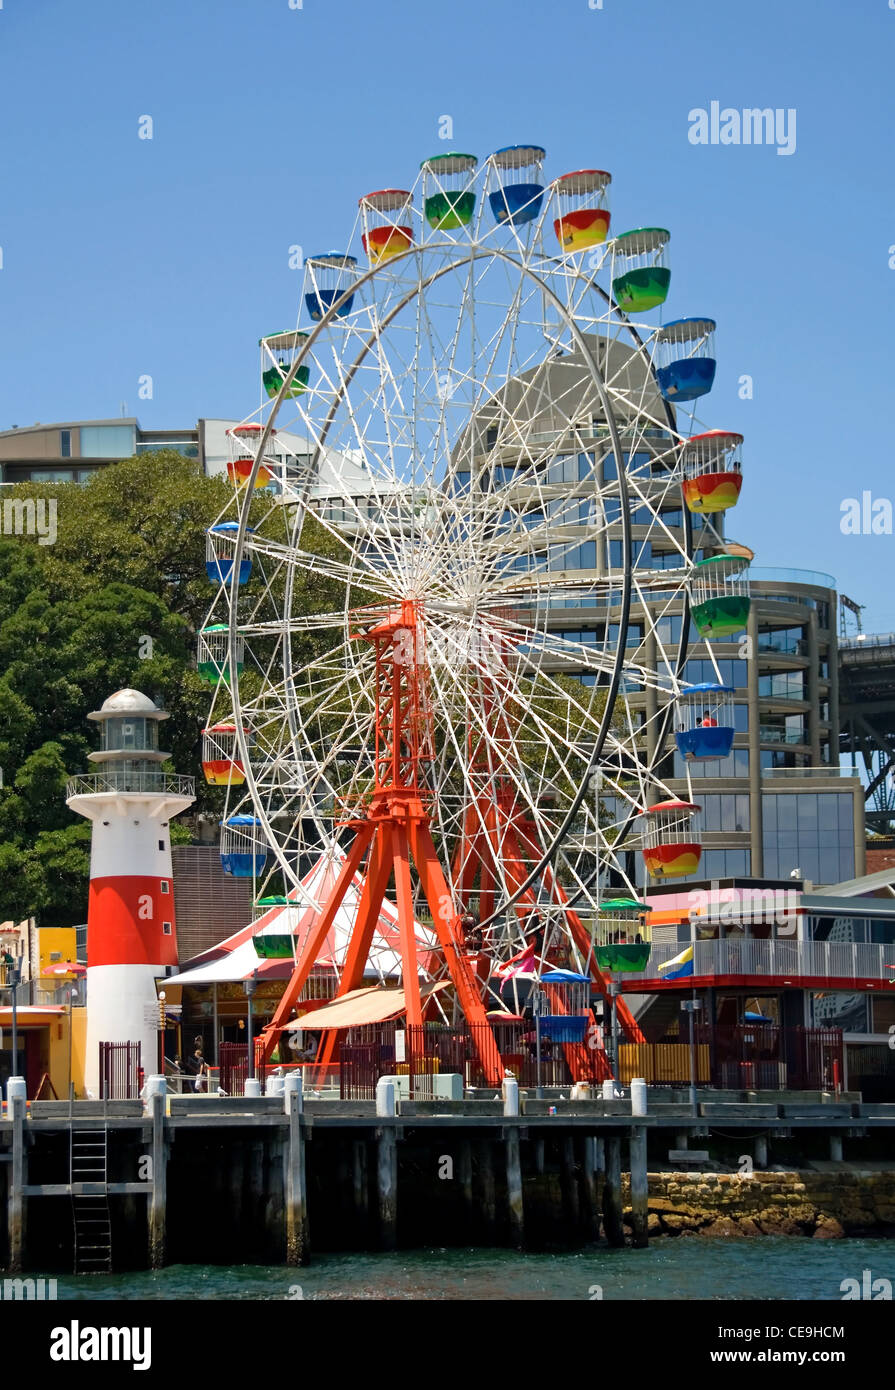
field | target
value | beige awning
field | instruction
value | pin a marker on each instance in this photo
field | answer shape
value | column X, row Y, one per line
column 372, row 1004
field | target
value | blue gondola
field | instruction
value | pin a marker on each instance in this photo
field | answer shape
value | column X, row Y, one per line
column 685, row 358
column 517, row 188
column 705, row 722
column 219, row 567
column 243, row 847
column 327, row 277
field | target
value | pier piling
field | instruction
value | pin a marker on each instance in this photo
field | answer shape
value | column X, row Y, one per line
column 568, row 1182
column 464, row 1177
column 489, row 1199
column 360, row 1187
column 587, row 1189
column 16, row 1207
column 298, row 1250
column 639, row 1187
column 515, row 1206
column 158, row 1194
column 612, row 1192
column 387, row 1182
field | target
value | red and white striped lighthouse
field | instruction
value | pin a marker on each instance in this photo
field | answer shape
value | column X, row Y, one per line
column 131, row 929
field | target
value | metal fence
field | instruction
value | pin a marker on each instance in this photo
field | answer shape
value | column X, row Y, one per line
column 423, row 1053
column 850, row 960
column 233, row 1060
column 763, row 1056
column 735, row 1057
column 86, row 784
column 120, row 1071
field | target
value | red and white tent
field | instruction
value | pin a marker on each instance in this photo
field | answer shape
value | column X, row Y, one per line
column 236, row 958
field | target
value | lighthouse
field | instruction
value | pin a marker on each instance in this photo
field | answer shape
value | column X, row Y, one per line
column 131, row 929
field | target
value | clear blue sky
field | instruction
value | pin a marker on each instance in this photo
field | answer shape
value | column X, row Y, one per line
column 169, row 257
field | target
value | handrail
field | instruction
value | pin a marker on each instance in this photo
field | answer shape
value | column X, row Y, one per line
column 138, row 783
column 851, row 960
column 757, row 575
column 865, row 641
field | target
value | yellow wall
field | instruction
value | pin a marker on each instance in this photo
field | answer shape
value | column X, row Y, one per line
column 55, row 944
column 661, row 1062
column 78, row 1048
column 55, row 1061
column 58, row 1057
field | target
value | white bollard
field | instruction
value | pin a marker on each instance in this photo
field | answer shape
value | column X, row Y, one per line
column 293, row 1084
column 154, row 1085
column 275, row 1086
column 510, row 1095
column 580, row 1091
column 252, row 1087
column 16, row 1088
column 609, row 1089
column 385, row 1097
column 638, row 1096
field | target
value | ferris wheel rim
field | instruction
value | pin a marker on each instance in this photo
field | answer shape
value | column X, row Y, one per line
column 465, row 256
column 468, row 256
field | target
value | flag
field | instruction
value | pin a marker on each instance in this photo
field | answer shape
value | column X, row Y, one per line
column 679, row 966
column 519, row 965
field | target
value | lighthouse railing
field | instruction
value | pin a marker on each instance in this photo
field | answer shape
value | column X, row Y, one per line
column 138, row 783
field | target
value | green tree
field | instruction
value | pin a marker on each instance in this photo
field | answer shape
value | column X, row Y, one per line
column 128, row 562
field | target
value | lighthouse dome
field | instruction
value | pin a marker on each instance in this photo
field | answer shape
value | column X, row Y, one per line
column 128, row 702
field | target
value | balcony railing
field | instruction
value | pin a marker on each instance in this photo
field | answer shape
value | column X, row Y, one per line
column 819, row 580
column 138, row 783
column 783, row 646
column 867, row 640
column 813, row 772
column 847, row 960
column 768, row 733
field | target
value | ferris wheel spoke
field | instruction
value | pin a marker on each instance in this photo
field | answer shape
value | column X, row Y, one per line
column 479, row 440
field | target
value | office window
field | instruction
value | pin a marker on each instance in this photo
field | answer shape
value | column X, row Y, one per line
column 809, row 831
column 634, row 635
column 736, row 764
column 668, row 631
column 731, row 672
column 726, row 811
column 642, row 552
column 790, row 641
column 849, row 1012
column 108, row 441
column 786, row 685
column 65, row 444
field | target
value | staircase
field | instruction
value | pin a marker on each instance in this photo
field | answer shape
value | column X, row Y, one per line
column 655, row 1013
column 93, row 1228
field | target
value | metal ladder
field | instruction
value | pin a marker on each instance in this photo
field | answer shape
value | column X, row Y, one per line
column 88, row 1163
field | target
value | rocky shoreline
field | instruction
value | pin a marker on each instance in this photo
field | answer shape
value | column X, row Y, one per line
column 824, row 1206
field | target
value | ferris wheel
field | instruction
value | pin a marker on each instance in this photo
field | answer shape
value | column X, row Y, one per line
column 452, row 587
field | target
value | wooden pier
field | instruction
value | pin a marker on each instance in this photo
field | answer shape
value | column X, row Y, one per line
column 223, row 1179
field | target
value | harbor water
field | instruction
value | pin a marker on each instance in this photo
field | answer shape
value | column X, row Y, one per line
column 691, row 1267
